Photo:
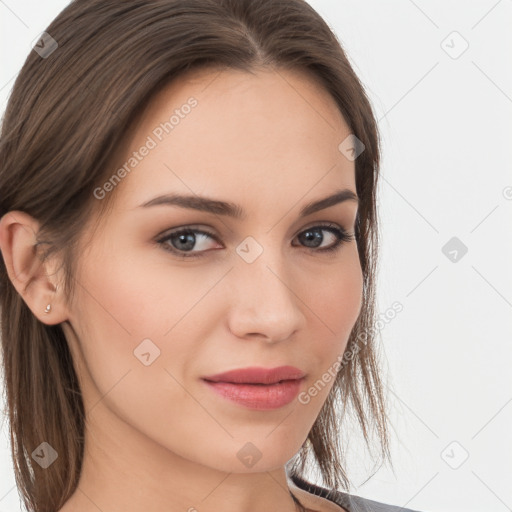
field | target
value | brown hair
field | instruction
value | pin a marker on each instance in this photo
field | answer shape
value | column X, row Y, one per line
column 69, row 113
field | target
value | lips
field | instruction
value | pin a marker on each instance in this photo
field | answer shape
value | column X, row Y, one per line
column 257, row 387
column 257, row 375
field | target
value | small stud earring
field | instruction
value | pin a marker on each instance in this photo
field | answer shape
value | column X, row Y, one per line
column 49, row 306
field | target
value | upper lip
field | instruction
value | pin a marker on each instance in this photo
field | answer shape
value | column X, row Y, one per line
column 258, row 375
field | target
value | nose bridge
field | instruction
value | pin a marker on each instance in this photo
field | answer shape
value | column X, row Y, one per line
column 265, row 300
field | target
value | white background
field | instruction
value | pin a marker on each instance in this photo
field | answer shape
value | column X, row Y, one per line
column 446, row 123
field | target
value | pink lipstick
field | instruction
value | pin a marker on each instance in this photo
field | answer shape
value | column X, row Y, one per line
column 257, row 387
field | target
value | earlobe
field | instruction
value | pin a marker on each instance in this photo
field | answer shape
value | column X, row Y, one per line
column 26, row 269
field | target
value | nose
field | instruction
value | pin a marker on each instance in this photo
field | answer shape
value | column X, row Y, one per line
column 265, row 302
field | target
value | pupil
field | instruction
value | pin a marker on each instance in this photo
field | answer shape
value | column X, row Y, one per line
column 184, row 238
column 314, row 236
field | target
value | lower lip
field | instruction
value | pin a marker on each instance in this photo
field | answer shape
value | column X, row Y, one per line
column 258, row 396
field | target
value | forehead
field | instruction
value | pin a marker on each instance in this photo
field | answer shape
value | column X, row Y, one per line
column 230, row 132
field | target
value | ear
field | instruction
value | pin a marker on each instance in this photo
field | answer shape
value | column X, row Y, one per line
column 34, row 279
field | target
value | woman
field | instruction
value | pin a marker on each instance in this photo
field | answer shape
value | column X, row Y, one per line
column 189, row 240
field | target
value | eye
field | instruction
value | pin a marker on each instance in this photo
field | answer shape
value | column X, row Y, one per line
column 184, row 239
column 314, row 238
column 181, row 241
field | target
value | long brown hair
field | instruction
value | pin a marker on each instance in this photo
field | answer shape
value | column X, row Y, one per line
column 68, row 114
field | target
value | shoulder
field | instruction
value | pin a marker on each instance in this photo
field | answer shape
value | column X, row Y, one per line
column 349, row 502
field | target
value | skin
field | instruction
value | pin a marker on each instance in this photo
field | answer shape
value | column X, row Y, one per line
column 157, row 438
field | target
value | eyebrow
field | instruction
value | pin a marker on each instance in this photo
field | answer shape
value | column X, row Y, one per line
column 229, row 209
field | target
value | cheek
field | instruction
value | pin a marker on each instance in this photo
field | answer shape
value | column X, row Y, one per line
column 130, row 314
column 132, row 307
column 134, row 298
column 336, row 297
column 335, row 304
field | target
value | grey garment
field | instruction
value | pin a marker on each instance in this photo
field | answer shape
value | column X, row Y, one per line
column 349, row 502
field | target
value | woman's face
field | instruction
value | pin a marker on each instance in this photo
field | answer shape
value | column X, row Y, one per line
column 153, row 317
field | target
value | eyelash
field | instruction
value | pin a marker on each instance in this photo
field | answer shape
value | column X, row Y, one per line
column 343, row 236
